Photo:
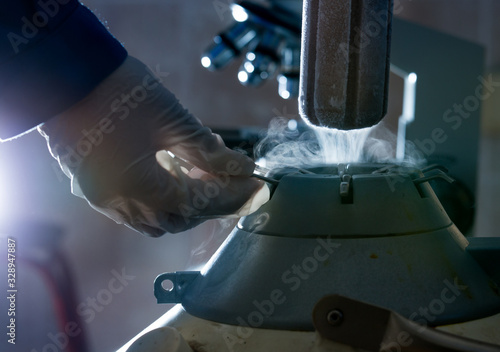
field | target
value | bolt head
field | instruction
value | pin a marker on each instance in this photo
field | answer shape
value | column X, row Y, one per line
column 335, row 317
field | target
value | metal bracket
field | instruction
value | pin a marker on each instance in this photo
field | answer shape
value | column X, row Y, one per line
column 180, row 281
column 362, row 325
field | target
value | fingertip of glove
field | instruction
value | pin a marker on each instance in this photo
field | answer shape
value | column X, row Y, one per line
column 260, row 196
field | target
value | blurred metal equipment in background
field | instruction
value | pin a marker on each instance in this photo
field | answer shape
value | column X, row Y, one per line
column 268, row 34
column 445, row 129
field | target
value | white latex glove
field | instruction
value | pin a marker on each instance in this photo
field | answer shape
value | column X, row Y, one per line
column 113, row 144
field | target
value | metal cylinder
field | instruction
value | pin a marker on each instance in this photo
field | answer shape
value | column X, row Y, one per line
column 345, row 62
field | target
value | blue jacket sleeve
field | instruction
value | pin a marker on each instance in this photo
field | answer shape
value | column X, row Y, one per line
column 52, row 54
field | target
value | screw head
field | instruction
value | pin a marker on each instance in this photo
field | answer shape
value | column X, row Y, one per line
column 335, row 317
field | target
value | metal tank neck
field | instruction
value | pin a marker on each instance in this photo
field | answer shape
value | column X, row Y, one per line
column 349, row 200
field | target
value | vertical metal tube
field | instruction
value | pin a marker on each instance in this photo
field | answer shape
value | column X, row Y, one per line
column 345, row 62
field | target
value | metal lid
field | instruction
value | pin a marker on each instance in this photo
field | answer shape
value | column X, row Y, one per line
column 349, row 200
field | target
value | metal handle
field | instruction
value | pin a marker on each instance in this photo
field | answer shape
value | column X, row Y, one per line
column 180, row 281
column 431, row 175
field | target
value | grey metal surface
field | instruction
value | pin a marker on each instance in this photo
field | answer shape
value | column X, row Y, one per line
column 344, row 73
column 383, row 330
column 486, row 250
column 273, row 280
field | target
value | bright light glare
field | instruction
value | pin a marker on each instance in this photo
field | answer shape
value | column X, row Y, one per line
column 242, row 76
column 4, row 194
column 248, row 67
column 206, row 62
column 285, row 95
column 261, row 162
column 412, row 77
column 408, row 113
column 250, row 56
column 239, row 13
column 292, row 125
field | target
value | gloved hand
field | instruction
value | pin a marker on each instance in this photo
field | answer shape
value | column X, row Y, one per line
column 113, row 145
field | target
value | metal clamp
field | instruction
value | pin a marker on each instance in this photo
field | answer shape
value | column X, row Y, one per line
column 433, row 174
column 362, row 325
column 272, row 181
column 434, row 167
column 346, row 190
column 345, row 185
column 180, row 281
